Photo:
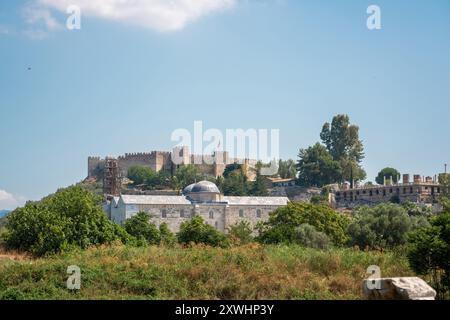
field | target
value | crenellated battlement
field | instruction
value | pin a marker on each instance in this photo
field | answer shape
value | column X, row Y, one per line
column 211, row 165
column 142, row 155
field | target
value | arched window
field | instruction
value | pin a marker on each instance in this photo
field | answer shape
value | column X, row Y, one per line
column 211, row 214
column 182, row 213
column 241, row 213
column 258, row 213
column 164, row 213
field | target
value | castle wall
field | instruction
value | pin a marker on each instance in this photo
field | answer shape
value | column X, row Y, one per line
column 136, row 159
column 161, row 160
column 95, row 165
column 414, row 192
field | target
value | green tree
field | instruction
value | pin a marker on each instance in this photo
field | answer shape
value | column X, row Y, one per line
column 383, row 226
column 219, row 183
column 287, row 169
column 444, row 180
column 140, row 174
column 342, row 141
column 388, row 174
column 316, row 167
column 188, row 174
column 140, row 227
column 72, row 217
column 167, row 237
column 283, row 223
column 197, row 231
column 233, row 167
column 259, row 187
column 241, row 233
column 429, row 253
column 416, row 210
column 159, row 180
column 235, row 184
column 308, row 236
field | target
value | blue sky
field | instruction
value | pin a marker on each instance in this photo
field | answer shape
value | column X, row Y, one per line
column 126, row 80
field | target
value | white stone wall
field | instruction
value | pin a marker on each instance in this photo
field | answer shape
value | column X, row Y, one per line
column 249, row 214
column 219, row 215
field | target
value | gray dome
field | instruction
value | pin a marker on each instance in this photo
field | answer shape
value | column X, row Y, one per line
column 205, row 186
column 188, row 189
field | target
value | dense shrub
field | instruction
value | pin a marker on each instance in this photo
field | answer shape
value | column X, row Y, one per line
column 416, row 210
column 308, row 236
column 140, row 227
column 71, row 217
column 167, row 237
column 283, row 222
column 197, row 231
column 429, row 253
column 382, row 226
column 241, row 233
column 139, row 174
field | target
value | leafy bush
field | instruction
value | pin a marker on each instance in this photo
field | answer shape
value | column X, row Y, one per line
column 167, row 237
column 308, row 236
column 241, row 233
column 197, row 231
column 429, row 253
column 140, row 227
column 283, row 222
column 140, row 174
column 71, row 217
column 382, row 226
column 415, row 210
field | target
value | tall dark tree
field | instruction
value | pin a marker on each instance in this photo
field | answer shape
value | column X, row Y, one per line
column 342, row 141
column 235, row 184
column 287, row 169
column 316, row 167
column 232, row 168
column 186, row 175
column 388, row 173
column 259, row 187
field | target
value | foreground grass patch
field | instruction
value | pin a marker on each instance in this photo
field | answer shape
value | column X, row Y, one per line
column 247, row 272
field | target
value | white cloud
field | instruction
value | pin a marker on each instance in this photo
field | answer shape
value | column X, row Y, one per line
column 37, row 14
column 40, row 21
column 9, row 201
column 160, row 15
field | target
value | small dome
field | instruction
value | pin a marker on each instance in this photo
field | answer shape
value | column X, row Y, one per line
column 188, row 189
column 205, row 186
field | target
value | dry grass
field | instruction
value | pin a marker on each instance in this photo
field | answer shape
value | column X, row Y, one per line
column 246, row 272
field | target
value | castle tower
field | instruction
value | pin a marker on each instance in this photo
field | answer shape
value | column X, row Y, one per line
column 112, row 178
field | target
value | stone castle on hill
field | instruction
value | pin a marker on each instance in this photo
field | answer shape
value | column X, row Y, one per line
column 109, row 169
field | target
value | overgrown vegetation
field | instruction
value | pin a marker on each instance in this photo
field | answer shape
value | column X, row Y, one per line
column 383, row 226
column 197, row 231
column 71, row 223
column 71, row 217
column 429, row 253
column 283, row 223
column 199, row 272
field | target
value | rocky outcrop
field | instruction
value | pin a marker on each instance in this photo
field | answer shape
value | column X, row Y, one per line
column 405, row 288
